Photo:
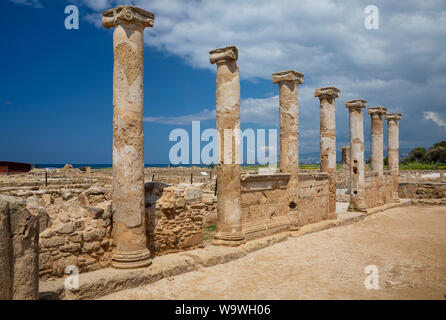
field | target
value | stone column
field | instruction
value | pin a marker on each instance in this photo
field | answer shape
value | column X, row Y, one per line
column 288, row 82
column 229, row 213
column 345, row 154
column 6, row 265
column 393, row 146
column 357, row 176
column 327, row 96
column 19, row 250
column 129, row 230
column 376, row 146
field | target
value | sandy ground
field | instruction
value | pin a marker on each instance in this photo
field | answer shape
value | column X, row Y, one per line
column 408, row 245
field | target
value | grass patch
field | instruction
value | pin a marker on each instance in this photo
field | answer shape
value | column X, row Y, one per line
column 209, row 232
column 422, row 166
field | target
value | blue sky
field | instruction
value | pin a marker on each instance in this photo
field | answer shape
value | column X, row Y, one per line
column 56, row 88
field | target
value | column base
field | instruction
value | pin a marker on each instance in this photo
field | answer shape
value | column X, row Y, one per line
column 332, row 216
column 294, row 227
column 360, row 209
column 229, row 239
column 131, row 260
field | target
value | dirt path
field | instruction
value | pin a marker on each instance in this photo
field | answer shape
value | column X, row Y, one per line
column 408, row 245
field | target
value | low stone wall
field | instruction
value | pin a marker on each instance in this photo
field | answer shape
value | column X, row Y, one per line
column 174, row 216
column 422, row 190
column 79, row 232
column 264, row 204
column 371, row 189
column 388, row 186
column 313, row 197
column 265, row 207
column 438, row 176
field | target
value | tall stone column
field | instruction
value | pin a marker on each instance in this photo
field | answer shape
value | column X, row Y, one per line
column 288, row 82
column 377, row 161
column 6, row 263
column 229, row 213
column 129, row 230
column 393, row 146
column 327, row 96
column 357, row 175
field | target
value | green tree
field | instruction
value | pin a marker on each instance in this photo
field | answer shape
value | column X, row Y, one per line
column 440, row 144
column 436, row 154
column 417, row 154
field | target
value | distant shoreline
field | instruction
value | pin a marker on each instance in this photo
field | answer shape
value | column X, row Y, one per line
column 109, row 165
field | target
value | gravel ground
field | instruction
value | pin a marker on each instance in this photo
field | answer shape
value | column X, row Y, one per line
column 407, row 245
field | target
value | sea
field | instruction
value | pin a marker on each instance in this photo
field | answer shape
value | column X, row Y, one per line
column 109, row 165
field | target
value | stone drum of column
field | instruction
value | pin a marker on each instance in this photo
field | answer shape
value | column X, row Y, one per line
column 288, row 82
column 376, row 146
column 129, row 230
column 327, row 96
column 393, row 145
column 229, row 213
column 357, row 175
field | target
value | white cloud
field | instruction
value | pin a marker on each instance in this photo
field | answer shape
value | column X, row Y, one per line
column 203, row 115
column 34, row 3
column 435, row 118
column 402, row 65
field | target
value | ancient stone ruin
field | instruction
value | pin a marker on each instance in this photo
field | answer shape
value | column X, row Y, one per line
column 97, row 222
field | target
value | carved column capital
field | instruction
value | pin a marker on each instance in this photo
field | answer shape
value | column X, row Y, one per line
column 356, row 105
column 377, row 112
column 289, row 75
column 393, row 116
column 327, row 93
column 222, row 55
column 127, row 15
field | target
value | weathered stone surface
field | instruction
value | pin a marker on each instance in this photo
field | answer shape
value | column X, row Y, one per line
column 229, row 215
column 173, row 223
column 24, row 237
column 357, row 171
column 393, row 145
column 129, row 227
column 376, row 147
column 288, row 82
column 6, row 279
column 327, row 96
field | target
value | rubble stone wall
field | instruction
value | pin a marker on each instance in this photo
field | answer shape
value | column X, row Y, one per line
column 79, row 231
column 174, row 216
column 422, row 190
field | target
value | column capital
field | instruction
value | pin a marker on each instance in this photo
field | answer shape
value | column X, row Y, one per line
column 327, row 92
column 377, row 110
column 393, row 116
column 127, row 15
column 289, row 75
column 356, row 104
column 222, row 55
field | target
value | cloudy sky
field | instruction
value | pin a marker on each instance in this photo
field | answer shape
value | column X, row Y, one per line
column 56, row 100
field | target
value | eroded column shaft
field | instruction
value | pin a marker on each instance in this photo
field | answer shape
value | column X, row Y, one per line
column 288, row 82
column 376, row 144
column 327, row 98
column 357, row 175
column 393, row 150
column 229, row 214
column 129, row 230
